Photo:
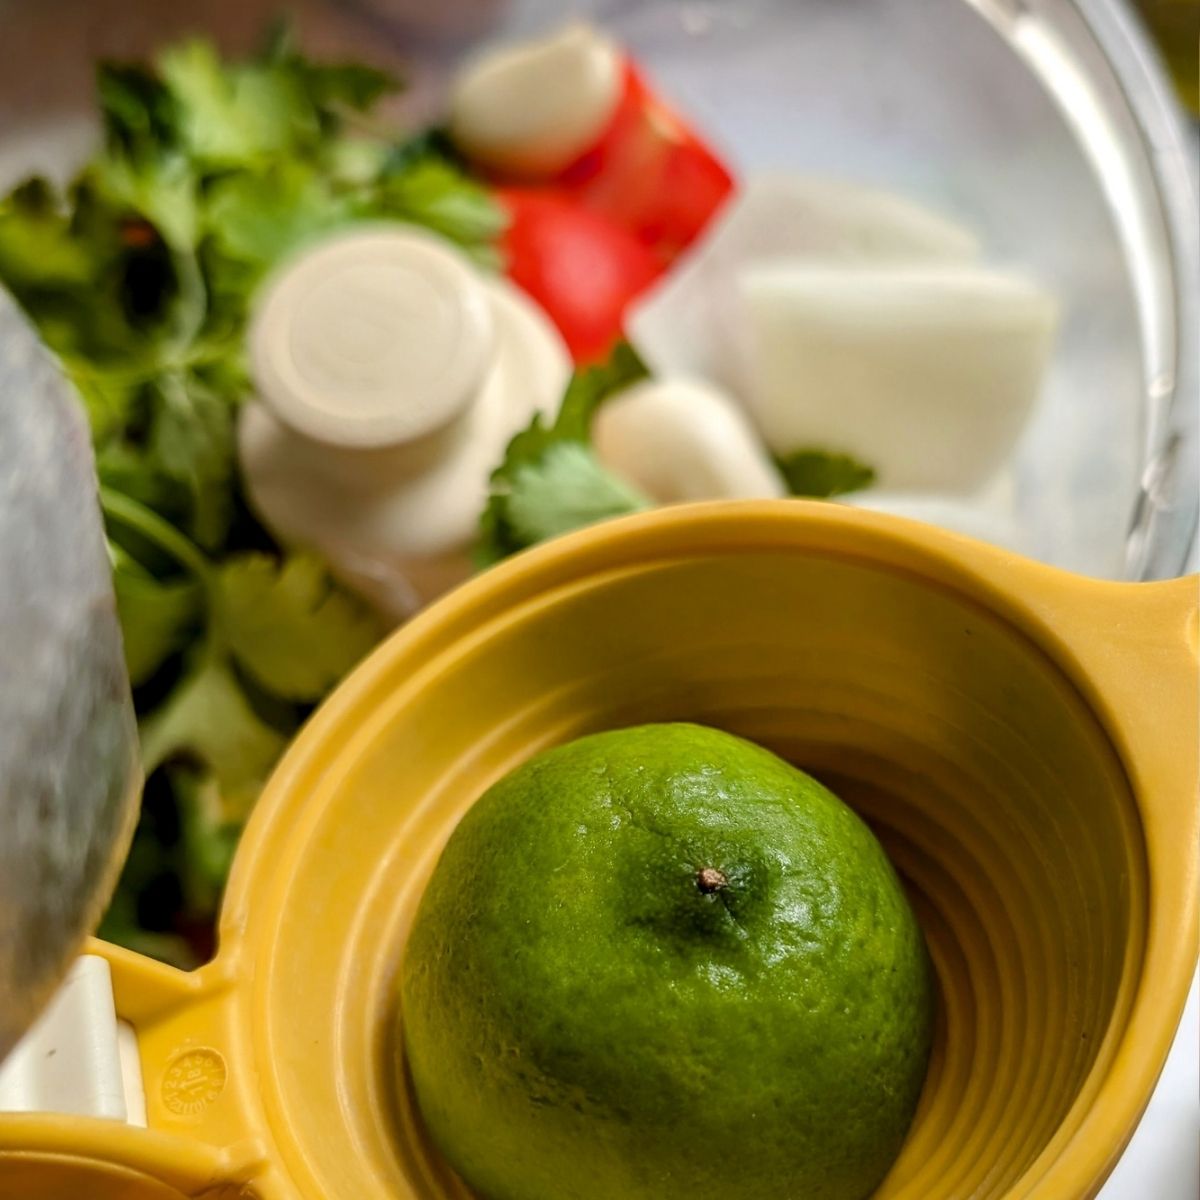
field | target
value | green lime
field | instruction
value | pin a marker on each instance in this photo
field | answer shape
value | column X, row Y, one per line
column 661, row 963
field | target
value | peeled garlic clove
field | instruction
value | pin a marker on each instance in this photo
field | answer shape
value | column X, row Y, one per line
column 926, row 374
column 532, row 109
column 682, row 439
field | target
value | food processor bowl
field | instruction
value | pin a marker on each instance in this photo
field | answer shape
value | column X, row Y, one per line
column 1047, row 126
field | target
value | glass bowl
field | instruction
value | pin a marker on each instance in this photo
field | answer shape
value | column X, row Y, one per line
column 1046, row 125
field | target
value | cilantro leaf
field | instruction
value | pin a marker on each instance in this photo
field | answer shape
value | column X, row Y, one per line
column 97, row 298
column 209, row 833
column 432, row 191
column 501, row 532
column 234, row 116
column 191, row 442
column 587, row 390
column 355, row 85
column 140, row 115
column 162, row 190
column 354, row 164
column 130, row 471
column 108, row 399
column 239, row 115
column 823, row 473
column 208, row 721
column 157, row 617
column 566, row 489
column 289, row 625
column 259, row 218
column 37, row 249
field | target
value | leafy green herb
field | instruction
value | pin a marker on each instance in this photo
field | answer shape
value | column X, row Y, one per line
column 284, row 623
column 37, row 249
column 208, row 835
column 208, row 720
column 355, row 86
column 428, row 189
column 241, row 641
column 258, row 219
column 161, row 190
column 821, row 473
column 231, row 116
column 139, row 112
column 141, row 276
column 158, row 616
column 538, row 491
column 288, row 626
column 566, row 489
column 190, row 441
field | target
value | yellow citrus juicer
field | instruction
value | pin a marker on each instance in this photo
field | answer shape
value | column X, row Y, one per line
column 1024, row 741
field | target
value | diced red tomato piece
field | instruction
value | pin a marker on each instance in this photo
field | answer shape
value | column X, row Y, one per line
column 580, row 267
column 650, row 173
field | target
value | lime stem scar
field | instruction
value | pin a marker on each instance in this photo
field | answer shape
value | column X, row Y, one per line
column 709, row 880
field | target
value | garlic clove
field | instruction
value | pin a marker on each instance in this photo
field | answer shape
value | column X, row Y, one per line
column 683, row 439
column 532, row 109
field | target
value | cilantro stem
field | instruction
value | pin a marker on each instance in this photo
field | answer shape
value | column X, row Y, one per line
column 127, row 511
column 193, row 295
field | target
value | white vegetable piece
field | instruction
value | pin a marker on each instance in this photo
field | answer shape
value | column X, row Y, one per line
column 372, row 442
column 78, row 1058
column 683, row 439
column 373, row 337
column 532, row 109
column 927, row 374
column 689, row 322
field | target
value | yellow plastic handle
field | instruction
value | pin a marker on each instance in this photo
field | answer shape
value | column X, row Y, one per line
column 1138, row 645
column 199, row 1091
column 1138, row 649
